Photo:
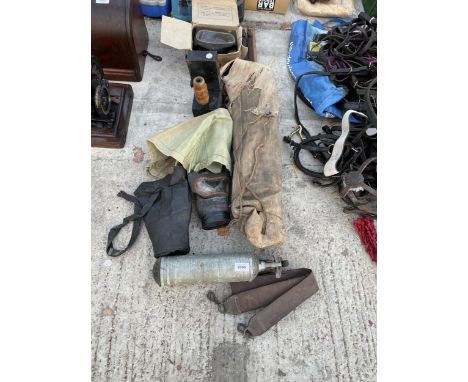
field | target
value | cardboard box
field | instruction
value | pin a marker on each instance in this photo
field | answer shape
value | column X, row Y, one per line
column 275, row 6
column 220, row 14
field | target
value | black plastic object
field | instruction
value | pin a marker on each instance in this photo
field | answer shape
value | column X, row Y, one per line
column 240, row 9
column 165, row 206
column 212, row 197
column 211, row 39
column 205, row 64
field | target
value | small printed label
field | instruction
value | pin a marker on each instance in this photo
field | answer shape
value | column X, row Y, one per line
column 265, row 5
column 102, row 1
column 215, row 12
column 242, row 267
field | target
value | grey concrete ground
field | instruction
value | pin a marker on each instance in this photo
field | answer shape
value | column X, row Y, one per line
column 141, row 332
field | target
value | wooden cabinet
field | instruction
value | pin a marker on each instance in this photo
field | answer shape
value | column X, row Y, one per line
column 119, row 38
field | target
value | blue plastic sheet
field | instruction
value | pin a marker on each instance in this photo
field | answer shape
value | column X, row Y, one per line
column 319, row 90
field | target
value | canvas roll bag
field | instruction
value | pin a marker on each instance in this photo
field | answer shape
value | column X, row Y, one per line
column 257, row 179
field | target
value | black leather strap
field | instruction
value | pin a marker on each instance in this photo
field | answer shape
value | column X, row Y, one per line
column 137, row 216
column 153, row 56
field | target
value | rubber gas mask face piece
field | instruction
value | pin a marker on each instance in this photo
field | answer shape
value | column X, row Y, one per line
column 219, row 40
column 212, row 197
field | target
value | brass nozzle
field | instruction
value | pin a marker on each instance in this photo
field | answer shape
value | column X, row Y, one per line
column 201, row 91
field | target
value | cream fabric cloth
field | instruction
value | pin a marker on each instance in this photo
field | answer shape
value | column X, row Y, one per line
column 330, row 8
column 203, row 142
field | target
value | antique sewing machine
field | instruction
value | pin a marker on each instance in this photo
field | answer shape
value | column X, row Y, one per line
column 111, row 105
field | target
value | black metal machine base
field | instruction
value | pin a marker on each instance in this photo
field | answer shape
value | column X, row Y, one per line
column 111, row 131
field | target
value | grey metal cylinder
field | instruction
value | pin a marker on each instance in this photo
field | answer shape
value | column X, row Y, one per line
column 192, row 269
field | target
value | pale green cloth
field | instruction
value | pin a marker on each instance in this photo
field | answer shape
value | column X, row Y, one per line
column 203, row 142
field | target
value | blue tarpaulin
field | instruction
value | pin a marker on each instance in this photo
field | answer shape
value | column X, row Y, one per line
column 319, row 90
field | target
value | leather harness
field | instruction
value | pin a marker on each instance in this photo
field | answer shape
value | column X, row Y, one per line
column 348, row 53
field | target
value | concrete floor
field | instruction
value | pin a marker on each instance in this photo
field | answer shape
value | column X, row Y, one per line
column 141, row 332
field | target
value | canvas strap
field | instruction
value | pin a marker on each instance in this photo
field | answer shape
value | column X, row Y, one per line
column 277, row 296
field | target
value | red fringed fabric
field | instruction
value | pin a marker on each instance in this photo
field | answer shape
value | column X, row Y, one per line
column 368, row 233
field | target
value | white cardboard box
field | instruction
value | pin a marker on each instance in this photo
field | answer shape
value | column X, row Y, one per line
column 221, row 14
